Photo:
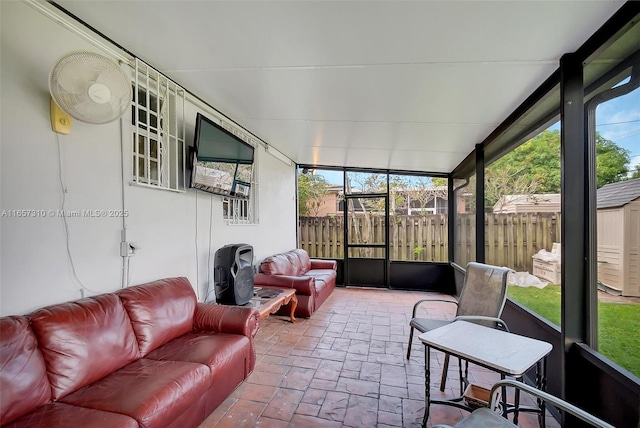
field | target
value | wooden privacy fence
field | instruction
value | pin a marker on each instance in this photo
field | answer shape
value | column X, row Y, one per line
column 510, row 239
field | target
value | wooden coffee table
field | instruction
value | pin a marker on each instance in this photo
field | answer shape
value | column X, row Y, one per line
column 267, row 300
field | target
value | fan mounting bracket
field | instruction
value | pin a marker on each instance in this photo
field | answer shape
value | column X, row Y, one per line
column 60, row 121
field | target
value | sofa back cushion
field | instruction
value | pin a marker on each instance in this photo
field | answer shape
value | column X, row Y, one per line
column 160, row 311
column 23, row 376
column 303, row 260
column 278, row 264
column 292, row 263
column 84, row 341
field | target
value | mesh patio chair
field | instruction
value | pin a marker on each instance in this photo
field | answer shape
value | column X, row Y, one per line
column 482, row 299
column 483, row 417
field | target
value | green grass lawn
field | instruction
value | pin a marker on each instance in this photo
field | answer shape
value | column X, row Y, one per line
column 618, row 323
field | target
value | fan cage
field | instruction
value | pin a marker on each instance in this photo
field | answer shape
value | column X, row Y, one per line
column 74, row 74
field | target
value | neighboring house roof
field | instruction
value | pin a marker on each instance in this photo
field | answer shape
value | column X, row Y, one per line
column 618, row 194
column 541, row 198
column 542, row 202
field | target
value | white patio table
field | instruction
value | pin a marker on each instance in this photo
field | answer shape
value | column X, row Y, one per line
column 506, row 353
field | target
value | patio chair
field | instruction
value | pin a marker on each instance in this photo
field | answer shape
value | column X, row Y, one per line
column 483, row 417
column 482, row 299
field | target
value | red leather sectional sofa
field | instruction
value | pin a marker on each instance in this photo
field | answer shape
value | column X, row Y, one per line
column 313, row 279
column 145, row 356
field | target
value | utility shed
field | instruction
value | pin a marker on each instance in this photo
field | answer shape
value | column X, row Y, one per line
column 619, row 236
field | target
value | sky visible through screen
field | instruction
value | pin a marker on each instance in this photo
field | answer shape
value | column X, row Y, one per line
column 618, row 120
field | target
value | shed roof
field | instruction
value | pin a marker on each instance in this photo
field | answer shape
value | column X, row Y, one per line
column 618, row 194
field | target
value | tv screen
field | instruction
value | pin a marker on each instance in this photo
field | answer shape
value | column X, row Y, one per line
column 221, row 162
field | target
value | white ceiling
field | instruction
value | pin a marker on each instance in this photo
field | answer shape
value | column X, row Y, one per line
column 392, row 84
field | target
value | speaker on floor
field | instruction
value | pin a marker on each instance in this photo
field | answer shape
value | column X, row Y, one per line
column 233, row 274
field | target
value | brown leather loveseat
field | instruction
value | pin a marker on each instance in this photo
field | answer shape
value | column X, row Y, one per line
column 145, row 356
column 313, row 279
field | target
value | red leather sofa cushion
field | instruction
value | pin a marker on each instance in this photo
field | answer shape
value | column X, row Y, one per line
column 65, row 415
column 226, row 319
column 159, row 311
column 221, row 341
column 230, row 320
column 153, row 392
column 226, row 355
column 319, row 264
column 83, row 341
column 325, row 276
column 303, row 260
column 278, row 264
column 296, row 268
column 294, row 263
column 218, row 351
column 23, row 377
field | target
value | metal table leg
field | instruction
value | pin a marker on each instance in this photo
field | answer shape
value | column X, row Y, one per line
column 516, row 404
column 541, row 384
column 504, row 398
column 427, row 384
column 445, row 370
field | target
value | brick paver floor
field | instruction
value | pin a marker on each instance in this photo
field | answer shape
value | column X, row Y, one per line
column 346, row 367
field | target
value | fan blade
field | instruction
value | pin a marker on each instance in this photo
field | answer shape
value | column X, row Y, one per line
column 73, row 100
column 82, row 108
column 99, row 113
column 68, row 101
column 116, row 81
column 69, row 77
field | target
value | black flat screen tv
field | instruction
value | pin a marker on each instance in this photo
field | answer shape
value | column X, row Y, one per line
column 221, row 162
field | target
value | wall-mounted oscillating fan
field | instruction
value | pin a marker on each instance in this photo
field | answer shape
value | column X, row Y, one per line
column 88, row 87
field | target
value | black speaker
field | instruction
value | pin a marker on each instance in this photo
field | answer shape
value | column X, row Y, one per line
column 233, row 274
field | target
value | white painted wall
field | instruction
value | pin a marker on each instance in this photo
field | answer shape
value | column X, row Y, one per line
column 178, row 232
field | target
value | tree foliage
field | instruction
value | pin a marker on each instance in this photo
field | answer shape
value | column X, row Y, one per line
column 311, row 192
column 439, row 182
column 537, row 160
column 508, row 177
column 534, row 167
column 612, row 162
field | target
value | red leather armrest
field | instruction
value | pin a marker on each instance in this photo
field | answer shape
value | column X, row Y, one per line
column 226, row 319
column 304, row 285
column 324, row 264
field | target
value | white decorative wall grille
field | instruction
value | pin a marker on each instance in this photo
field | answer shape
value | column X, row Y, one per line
column 158, row 158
